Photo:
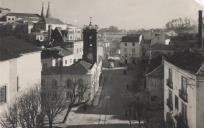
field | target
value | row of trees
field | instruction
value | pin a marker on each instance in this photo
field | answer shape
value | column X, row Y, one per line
column 180, row 24
column 37, row 107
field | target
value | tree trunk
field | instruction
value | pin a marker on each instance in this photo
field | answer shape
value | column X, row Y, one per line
column 50, row 123
column 66, row 115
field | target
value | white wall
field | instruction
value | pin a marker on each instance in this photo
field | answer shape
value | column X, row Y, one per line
column 53, row 26
column 126, row 51
column 177, row 74
column 4, row 81
column 69, row 59
column 78, row 50
column 200, row 102
column 29, row 70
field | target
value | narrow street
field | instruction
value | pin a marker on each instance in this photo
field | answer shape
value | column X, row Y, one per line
column 110, row 112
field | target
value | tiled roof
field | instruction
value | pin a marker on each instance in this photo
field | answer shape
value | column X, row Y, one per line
column 158, row 72
column 55, row 52
column 155, row 62
column 159, row 46
column 80, row 68
column 53, row 21
column 23, row 14
column 11, row 47
column 145, row 41
column 131, row 38
column 187, row 60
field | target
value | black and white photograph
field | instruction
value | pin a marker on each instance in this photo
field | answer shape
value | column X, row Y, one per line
column 101, row 63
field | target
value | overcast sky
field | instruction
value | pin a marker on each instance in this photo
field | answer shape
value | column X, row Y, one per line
column 129, row 14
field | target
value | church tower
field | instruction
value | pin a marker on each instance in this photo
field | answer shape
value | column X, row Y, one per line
column 42, row 11
column 90, row 43
column 48, row 14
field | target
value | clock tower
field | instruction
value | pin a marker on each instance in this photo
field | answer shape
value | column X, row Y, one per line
column 90, row 43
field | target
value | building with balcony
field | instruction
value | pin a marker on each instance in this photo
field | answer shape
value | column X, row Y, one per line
column 183, row 90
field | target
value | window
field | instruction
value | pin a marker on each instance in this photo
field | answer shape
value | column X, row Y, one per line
column 54, row 84
column 9, row 19
column 3, row 94
column 176, row 102
column 170, row 95
column 170, row 74
column 90, row 37
column 12, row 18
column 184, row 84
column 184, row 113
column 133, row 43
column 65, row 61
column 43, row 84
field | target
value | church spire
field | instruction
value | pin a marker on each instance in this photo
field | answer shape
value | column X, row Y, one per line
column 42, row 11
column 48, row 15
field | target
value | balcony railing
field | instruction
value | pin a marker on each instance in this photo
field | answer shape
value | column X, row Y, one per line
column 170, row 104
column 183, row 95
column 169, row 83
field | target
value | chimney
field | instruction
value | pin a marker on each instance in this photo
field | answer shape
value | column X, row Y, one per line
column 200, row 29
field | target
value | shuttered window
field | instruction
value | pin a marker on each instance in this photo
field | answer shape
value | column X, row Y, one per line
column 3, row 94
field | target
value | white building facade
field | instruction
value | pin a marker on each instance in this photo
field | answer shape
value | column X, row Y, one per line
column 18, row 75
column 183, row 96
column 130, row 48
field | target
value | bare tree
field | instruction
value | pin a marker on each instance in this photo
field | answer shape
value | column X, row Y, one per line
column 25, row 111
column 53, row 102
column 77, row 94
column 10, row 119
column 29, row 108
